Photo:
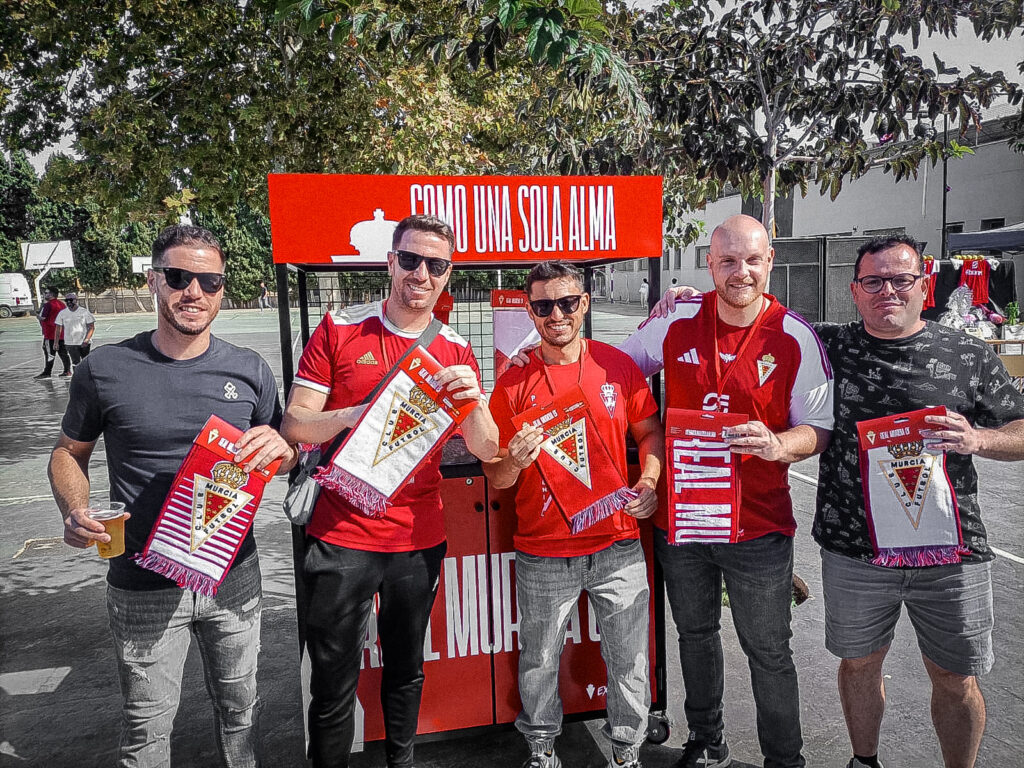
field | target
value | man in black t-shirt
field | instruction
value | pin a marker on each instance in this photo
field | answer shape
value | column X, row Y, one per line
column 894, row 362
column 150, row 396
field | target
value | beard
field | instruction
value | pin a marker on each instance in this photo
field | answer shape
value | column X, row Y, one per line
column 189, row 330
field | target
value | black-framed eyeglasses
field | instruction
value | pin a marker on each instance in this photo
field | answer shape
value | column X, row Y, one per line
column 180, row 279
column 900, row 283
column 410, row 262
column 567, row 304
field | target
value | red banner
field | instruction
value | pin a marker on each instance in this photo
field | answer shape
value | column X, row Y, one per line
column 349, row 220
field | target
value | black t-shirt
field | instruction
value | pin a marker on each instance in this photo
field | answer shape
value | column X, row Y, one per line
column 880, row 377
column 149, row 408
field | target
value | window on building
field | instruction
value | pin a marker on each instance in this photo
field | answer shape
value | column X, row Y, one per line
column 992, row 223
column 884, row 231
column 678, row 260
column 954, row 227
column 702, row 256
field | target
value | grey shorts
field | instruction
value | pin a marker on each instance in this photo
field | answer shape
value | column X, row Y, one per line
column 950, row 607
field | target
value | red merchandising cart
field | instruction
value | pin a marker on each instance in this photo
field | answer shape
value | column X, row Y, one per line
column 333, row 233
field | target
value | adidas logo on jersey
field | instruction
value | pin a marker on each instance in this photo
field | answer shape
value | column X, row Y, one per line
column 689, row 357
column 367, row 359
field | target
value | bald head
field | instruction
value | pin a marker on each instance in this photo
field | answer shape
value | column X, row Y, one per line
column 740, row 230
column 739, row 260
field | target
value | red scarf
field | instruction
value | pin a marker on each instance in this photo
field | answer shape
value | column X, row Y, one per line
column 908, row 498
column 576, row 467
column 703, row 478
column 207, row 514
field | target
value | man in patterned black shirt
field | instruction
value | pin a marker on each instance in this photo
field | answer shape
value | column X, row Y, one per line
column 893, row 362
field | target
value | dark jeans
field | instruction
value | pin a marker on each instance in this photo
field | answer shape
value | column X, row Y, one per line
column 50, row 352
column 341, row 585
column 758, row 576
column 78, row 352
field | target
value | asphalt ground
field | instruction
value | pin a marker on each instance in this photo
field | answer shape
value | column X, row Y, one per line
column 59, row 701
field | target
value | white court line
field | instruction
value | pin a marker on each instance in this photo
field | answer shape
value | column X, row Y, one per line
column 1007, row 555
column 1001, row 552
column 18, row 365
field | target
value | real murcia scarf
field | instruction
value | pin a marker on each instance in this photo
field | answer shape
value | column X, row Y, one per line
column 401, row 428
column 909, row 500
column 576, row 467
column 703, row 478
column 207, row 514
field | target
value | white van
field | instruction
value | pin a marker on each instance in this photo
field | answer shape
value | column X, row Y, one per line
column 15, row 295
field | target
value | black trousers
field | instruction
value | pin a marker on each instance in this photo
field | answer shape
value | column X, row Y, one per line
column 341, row 584
column 78, row 352
column 50, row 352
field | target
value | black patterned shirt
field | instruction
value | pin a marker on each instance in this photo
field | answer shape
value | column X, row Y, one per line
column 880, row 377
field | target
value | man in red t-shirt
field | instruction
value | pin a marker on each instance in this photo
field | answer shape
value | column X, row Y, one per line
column 738, row 350
column 351, row 557
column 47, row 317
column 553, row 565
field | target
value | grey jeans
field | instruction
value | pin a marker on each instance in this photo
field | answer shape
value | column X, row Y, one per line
column 151, row 632
column 547, row 588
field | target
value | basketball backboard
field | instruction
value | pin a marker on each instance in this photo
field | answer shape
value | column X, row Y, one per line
column 51, row 255
column 141, row 264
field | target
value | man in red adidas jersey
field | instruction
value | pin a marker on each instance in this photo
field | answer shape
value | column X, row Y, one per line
column 351, row 557
column 553, row 564
column 738, row 350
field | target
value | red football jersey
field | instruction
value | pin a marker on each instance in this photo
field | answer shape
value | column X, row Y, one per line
column 931, row 271
column 347, row 355
column 974, row 274
column 48, row 317
column 783, row 380
column 618, row 397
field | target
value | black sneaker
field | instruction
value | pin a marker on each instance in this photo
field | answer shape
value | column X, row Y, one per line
column 41, row 376
column 698, row 753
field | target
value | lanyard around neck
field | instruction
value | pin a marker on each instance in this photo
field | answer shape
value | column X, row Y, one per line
column 544, row 367
column 720, row 380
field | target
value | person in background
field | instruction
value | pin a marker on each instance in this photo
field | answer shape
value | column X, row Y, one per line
column 52, row 307
column 75, row 327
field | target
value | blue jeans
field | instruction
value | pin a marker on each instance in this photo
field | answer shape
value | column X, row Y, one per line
column 151, row 631
column 547, row 588
column 758, row 575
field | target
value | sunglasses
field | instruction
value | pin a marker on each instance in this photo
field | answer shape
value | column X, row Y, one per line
column 900, row 283
column 180, row 279
column 410, row 262
column 567, row 304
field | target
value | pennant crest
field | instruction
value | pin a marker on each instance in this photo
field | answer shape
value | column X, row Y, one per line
column 609, row 397
column 871, row 436
column 568, row 446
column 215, row 500
column 407, row 420
column 765, row 366
column 909, row 478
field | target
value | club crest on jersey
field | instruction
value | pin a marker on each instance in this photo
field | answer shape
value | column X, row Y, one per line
column 609, row 396
column 408, row 419
column 765, row 366
column 215, row 500
column 568, row 446
column 909, row 475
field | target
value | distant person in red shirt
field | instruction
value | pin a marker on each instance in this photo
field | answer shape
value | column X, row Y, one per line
column 553, row 564
column 47, row 323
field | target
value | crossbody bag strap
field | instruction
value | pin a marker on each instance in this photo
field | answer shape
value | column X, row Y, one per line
column 423, row 340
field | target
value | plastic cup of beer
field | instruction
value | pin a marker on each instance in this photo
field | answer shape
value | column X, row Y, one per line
column 112, row 517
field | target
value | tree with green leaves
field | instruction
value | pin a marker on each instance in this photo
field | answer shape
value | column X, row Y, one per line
column 766, row 95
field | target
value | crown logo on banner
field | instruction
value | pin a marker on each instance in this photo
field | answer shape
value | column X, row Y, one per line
column 568, row 446
column 422, row 400
column 215, row 500
column 905, row 450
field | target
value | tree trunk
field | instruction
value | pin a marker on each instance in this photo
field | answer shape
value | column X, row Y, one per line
column 768, row 211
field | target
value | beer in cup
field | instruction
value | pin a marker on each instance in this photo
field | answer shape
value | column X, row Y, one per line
column 112, row 517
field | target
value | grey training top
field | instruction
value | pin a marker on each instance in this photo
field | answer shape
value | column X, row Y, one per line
column 149, row 408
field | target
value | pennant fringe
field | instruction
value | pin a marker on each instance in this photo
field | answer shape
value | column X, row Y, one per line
column 186, row 578
column 360, row 494
column 919, row 557
column 600, row 509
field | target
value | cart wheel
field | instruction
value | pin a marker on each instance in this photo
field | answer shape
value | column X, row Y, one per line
column 657, row 729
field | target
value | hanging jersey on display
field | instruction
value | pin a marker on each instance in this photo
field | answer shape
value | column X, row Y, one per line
column 974, row 274
column 931, row 275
